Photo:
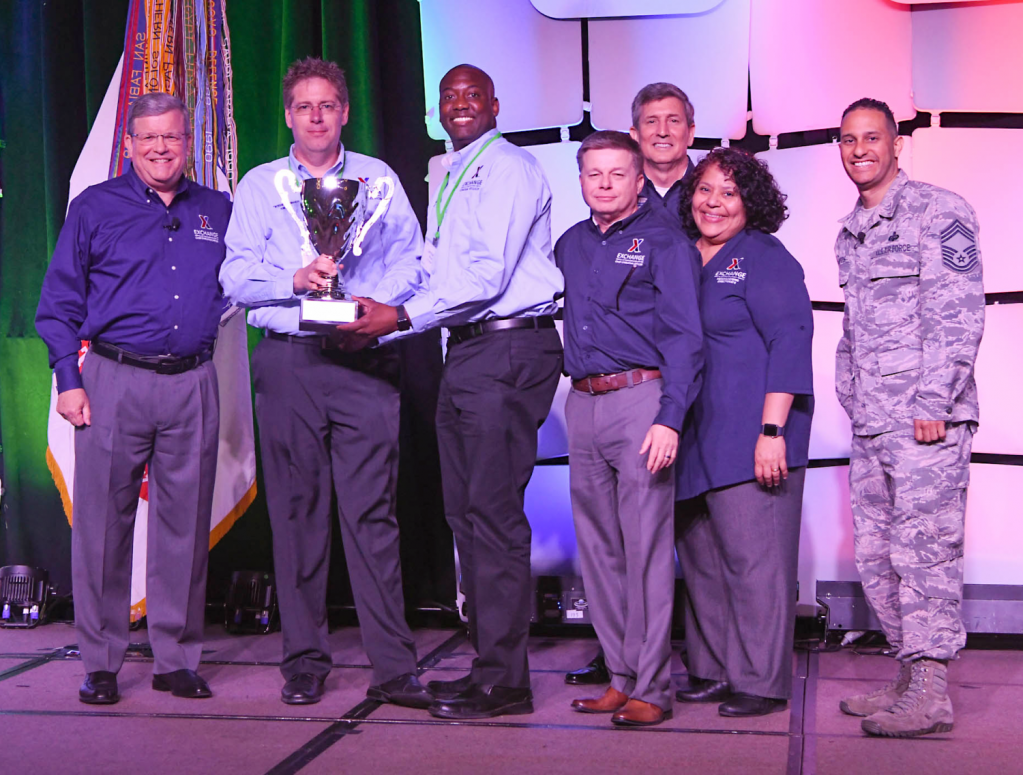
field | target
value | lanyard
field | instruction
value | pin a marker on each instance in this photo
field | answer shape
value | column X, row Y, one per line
column 440, row 195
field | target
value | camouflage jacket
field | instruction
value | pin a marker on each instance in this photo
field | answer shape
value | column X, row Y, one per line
column 914, row 310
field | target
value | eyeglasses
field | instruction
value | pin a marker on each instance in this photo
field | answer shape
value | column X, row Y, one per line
column 305, row 108
column 171, row 138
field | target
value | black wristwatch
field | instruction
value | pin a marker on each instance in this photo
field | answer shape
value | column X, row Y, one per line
column 770, row 429
column 404, row 324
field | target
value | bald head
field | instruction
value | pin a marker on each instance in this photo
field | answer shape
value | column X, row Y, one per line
column 468, row 107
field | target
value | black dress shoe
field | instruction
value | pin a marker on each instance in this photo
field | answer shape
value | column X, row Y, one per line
column 183, row 683
column 751, row 705
column 448, row 690
column 591, row 675
column 302, row 689
column 403, row 690
column 99, row 688
column 485, row 702
column 704, row 690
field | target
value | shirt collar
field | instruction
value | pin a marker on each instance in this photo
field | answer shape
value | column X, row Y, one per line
column 886, row 209
column 621, row 225
column 303, row 173
column 143, row 190
column 651, row 188
column 455, row 159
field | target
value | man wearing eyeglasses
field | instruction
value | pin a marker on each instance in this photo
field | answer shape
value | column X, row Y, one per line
column 328, row 416
column 135, row 273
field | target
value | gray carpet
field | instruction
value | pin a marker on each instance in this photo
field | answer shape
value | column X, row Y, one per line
column 244, row 728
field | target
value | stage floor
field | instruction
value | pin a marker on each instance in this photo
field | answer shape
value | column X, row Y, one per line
column 245, row 728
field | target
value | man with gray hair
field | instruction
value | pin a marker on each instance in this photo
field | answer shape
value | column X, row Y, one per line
column 134, row 272
column 633, row 348
column 663, row 123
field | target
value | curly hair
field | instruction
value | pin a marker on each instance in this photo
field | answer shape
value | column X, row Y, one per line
column 311, row 67
column 763, row 200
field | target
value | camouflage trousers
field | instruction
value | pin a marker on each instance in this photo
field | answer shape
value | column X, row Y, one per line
column 909, row 513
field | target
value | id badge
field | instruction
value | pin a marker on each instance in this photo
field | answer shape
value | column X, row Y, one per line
column 429, row 256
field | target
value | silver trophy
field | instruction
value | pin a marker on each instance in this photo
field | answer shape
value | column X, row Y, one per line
column 336, row 215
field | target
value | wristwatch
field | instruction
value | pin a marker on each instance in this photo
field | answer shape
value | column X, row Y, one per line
column 404, row 324
column 770, row 429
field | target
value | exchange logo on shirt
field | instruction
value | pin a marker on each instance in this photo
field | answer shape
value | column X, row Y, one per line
column 205, row 231
column 731, row 274
column 632, row 256
column 475, row 182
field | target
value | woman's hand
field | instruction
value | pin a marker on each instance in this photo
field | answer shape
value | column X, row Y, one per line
column 769, row 460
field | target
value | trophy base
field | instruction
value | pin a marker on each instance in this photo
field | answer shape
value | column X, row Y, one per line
column 319, row 314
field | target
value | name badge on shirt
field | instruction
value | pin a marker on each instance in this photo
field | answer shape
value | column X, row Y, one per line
column 429, row 256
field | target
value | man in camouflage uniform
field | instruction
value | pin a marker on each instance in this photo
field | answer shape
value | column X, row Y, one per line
column 910, row 266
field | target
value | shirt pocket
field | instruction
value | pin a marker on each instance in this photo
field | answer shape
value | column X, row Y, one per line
column 895, row 288
column 621, row 284
column 899, row 360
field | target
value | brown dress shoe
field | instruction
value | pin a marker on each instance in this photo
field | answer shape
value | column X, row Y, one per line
column 637, row 713
column 609, row 702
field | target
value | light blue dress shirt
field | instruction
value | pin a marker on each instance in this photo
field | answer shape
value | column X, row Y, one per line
column 264, row 245
column 493, row 258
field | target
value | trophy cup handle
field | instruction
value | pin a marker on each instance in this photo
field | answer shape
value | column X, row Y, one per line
column 287, row 184
column 385, row 201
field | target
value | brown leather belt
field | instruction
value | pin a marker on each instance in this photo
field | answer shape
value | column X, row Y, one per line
column 161, row 364
column 459, row 334
column 605, row 383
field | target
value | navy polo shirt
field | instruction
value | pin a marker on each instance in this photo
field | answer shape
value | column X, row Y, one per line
column 131, row 271
column 630, row 302
column 758, row 328
column 672, row 198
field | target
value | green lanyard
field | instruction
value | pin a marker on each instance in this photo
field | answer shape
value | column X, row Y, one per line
column 441, row 213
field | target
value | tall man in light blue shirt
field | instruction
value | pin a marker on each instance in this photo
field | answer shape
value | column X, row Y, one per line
column 492, row 283
column 328, row 417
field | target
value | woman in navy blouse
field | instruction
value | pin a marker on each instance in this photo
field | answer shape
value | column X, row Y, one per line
column 744, row 447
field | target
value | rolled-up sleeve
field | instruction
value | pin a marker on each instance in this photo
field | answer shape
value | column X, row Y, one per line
column 780, row 307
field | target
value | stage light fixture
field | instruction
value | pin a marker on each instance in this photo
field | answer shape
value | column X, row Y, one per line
column 251, row 605
column 25, row 594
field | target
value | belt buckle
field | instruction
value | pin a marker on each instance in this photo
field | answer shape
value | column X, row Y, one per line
column 589, row 384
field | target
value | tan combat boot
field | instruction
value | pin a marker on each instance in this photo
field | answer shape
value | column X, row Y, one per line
column 881, row 699
column 922, row 709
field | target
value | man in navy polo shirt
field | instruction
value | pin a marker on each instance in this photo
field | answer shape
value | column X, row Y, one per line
column 135, row 272
column 663, row 123
column 633, row 347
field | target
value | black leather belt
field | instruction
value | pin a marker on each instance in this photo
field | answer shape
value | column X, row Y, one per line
column 320, row 342
column 161, row 364
column 459, row 334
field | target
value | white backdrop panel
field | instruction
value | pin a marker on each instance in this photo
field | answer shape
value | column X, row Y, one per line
column 807, row 62
column 590, row 9
column 520, row 48
column 831, row 431
column 549, row 511
column 819, row 193
column 706, row 55
column 826, row 538
column 994, row 531
column 999, row 376
column 986, row 167
column 968, row 59
column 552, row 440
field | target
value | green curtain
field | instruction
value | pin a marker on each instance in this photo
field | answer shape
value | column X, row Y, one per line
column 56, row 61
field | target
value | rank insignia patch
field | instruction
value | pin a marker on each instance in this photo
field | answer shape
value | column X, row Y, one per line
column 959, row 248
